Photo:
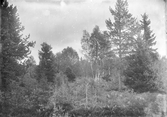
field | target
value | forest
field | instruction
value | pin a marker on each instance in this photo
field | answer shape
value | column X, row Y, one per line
column 120, row 75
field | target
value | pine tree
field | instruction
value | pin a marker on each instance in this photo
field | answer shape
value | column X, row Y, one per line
column 123, row 30
column 46, row 64
column 122, row 33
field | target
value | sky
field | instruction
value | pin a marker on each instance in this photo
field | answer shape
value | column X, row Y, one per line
column 60, row 23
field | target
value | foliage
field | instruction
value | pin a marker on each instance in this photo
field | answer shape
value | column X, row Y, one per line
column 122, row 33
column 95, row 47
column 108, row 112
column 148, row 35
column 85, row 97
column 64, row 85
column 68, row 57
column 46, row 67
column 139, row 75
column 127, row 105
column 95, row 44
column 123, row 30
column 85, row 68
column 30, row 74
column 160, row 70
column 70, row 75
column 30, row 61
column 14, row 47
column 24, row 101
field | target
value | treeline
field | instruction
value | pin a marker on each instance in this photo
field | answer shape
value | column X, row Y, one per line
column 119, row 62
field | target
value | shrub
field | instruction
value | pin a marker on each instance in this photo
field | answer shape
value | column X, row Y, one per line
column 122, row 105
column 115, row 111
column 70, row 75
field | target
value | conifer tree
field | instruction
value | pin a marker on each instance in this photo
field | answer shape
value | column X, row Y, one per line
column 46, row 65
column 148, row 35
column 139, row 75
column 122, row 32
column 14, row 47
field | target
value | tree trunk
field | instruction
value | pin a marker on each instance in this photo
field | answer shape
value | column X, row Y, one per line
column 166, row 25
column 165, row 96
column 109, row 70
column 86, row 91
column 119, row 77
column 0, row 50
column 119, row 69
column 92, row 69
column 120, row 57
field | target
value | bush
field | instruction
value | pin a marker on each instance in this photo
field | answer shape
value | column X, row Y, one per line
column 24, row 101
column 115, row 111
column 74, row 99
column 119, row 105
column 70, row 75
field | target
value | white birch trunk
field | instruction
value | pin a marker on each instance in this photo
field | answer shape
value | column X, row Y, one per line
column 86, row 90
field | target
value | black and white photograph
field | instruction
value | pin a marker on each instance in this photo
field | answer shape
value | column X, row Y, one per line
column 83, row 58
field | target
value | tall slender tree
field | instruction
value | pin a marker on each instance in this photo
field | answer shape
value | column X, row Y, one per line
column 2, row 1
column 166, row 24
column 122, row 32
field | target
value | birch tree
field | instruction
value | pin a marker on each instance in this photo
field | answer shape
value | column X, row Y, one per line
column 95, row 47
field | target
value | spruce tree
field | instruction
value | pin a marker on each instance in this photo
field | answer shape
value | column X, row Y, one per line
column 148, row 35
column 14, row 47
column 139, row 75
column 46, row 68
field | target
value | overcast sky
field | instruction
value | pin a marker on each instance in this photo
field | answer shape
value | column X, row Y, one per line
column 60, row 23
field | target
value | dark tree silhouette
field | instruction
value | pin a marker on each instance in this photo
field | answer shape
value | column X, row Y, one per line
column 14, row 46
column 70, row 75
column 139, row 75
column 46, row 64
